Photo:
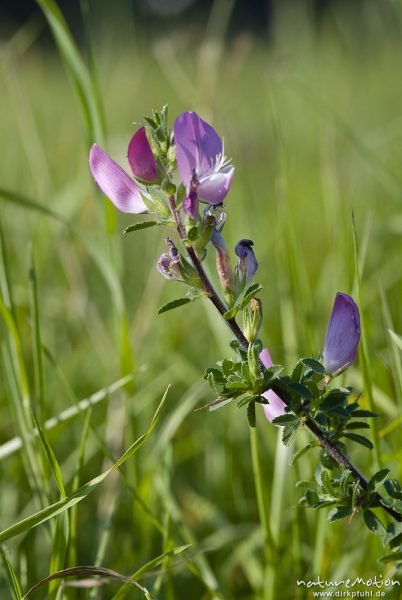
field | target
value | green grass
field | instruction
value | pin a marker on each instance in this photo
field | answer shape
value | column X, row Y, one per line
column 314, row 127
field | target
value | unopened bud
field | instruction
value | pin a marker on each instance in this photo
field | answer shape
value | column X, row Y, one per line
column 252, row 319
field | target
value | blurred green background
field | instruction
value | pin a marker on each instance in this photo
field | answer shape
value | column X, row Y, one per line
column 308, row 99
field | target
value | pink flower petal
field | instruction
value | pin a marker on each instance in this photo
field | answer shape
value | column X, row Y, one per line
column 141, row 158
column 115, row 183
column 265, row 358
column 276, row 406
column 213, row 188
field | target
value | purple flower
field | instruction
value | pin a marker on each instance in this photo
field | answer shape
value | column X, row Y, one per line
column 276, row 406
column 247, row 264
column 115, row 183
column 343, row 335
column 203, row 168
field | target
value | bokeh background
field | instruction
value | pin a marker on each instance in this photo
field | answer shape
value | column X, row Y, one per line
column 308, row 98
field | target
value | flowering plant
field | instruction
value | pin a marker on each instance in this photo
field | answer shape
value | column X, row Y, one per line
column 306, row 397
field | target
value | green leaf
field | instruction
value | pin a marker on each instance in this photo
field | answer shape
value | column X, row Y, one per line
column 249, row 294
column 377, row 479
column 339, row 513
column 392, row 557
column 394, row 530
column 297, row 371
column 359, row 439
column 311, row 497
column 238, row 385
column 357, row 425
column 314, row 365
column 251, row 413
column 219, row 403
column 344, row 481
column 287, row 419
column 373, row 522
column 147, row 568
column 173, row 304
column 140, row 225
column 12, row 577
column 360, row 412
column 51, row 457
column 289, row 432
column 300, row 453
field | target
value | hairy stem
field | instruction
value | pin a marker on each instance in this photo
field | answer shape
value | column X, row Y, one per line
column 328, row 446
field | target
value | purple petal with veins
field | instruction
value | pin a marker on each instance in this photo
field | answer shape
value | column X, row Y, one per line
column 115, row 183
column 343, row 335
column 141, row 158
column 199, row 156
column 197, row 145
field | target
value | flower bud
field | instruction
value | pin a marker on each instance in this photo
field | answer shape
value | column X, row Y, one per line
column 247, row 264
column 252, row 319
column 141, row 158
column 343, row 335
column 223, row 264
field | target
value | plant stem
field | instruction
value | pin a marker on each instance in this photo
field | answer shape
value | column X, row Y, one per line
column 269, row 544
column 328, row 446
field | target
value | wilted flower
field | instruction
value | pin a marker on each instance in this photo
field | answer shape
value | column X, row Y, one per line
column 203, row 168
column 115, row 183
column 223, row 264
column 247, row 264
column 276, row 406
column 343, row 335
column 168, row 263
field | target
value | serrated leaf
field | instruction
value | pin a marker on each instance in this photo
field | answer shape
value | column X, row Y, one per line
column 392, row 503
column 314, row 365
column 377, row 479
column 355, row 493
column 344, row 481
column 300, row 389
column 300, row 453
column 140, row 225
column 173, row 304
column 339, row 513
column 297, row 371
column 393, row 488
column 394, row 530
column 287, row 419
column 373, row 522
column 218, row 375
column 359, row 439
column 311, row 497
